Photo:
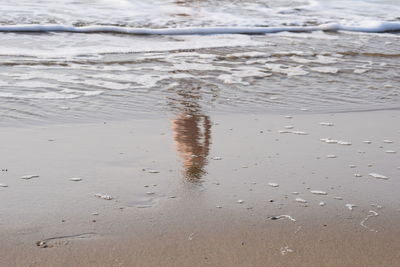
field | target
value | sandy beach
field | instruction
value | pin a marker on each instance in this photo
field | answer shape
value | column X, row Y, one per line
column 303, row 189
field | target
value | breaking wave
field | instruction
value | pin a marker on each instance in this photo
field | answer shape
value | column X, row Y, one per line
column 366, row 27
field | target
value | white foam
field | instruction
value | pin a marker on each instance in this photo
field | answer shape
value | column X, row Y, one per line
column 334, row 141
column 320, row 59
column 293, row 132
column 288, row 70
column 45, row 95
column 366, row 27
column 331, row 70
column 63, row 94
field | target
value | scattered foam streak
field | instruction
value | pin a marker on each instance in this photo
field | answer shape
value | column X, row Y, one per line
column 378, row 176
column 283, row 217
column 373, row 214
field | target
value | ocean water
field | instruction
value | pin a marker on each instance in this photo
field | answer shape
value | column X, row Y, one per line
column 76, row 60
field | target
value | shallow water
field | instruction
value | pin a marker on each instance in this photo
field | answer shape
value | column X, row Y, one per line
column 63, row 76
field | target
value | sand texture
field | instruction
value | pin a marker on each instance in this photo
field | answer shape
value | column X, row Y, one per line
column 195, row 190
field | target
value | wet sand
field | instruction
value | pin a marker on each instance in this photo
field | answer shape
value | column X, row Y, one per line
column 199, row 190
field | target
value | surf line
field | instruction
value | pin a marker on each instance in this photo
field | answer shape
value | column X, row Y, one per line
column 377, row 27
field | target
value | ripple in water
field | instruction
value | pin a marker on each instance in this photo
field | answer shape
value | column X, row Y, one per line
column 55, row 77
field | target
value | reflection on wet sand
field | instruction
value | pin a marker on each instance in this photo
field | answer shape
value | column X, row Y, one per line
column 192, row 135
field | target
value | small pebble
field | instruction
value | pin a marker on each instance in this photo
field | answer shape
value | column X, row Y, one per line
column 299, row 133
column 388, row 141
column 367, row 142
column 240, row 201
column 3, row 185
column 218, row 207
column 329, row 141
column 318, row 192
column 338, row 198
column 289, row 117
column 390, row 151
column 357, row 175
column 344, row 143
column 216, row 158
column 321, row 204
column 75, row 179
column 150, row 193
column 153, row 171
column 331, row 156
column 106, row 197
column 350, row 206
column 301, row 200
column 352, row 166
column 273, row 184
column 326, row 123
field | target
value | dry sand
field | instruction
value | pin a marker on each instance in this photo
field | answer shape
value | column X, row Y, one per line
column 176, row 183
